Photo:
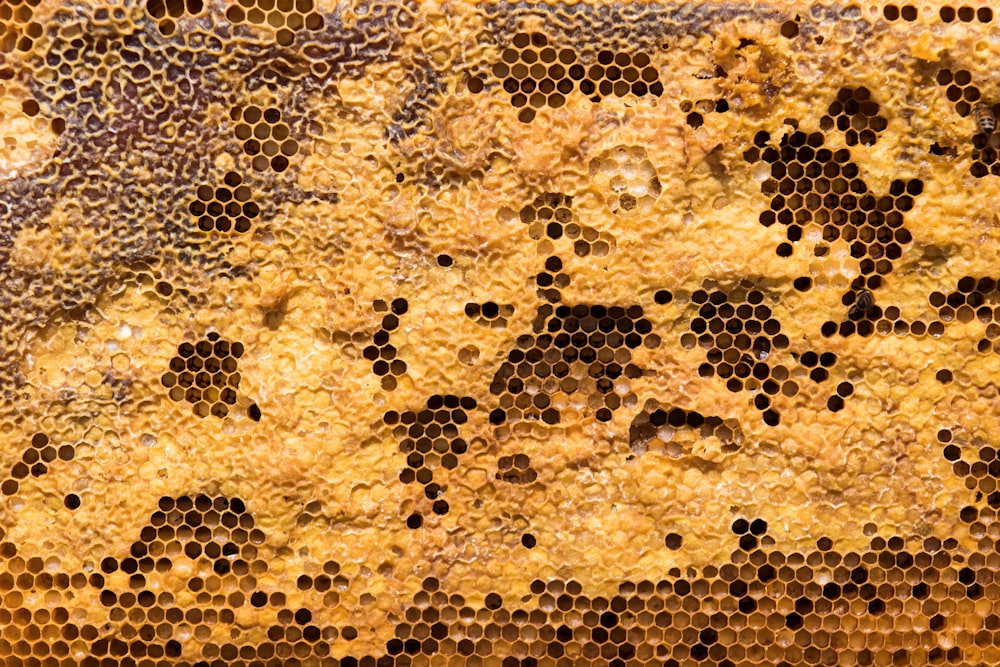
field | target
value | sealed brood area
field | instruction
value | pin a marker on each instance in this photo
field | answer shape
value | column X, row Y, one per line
column 498, row 334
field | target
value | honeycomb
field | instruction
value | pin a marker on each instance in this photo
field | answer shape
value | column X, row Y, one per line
column 402, row 332
column 205, row 375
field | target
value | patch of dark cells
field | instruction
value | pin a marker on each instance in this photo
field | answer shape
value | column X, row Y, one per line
column 537, row 74
column 181, row 526
column 969, row 102
column 584, row 348
column 36, row 459
column 973, row 299
column 646, row 425
column 812, row 184
column 338, row 49
column 739, row 332
column 206, row 375
column 781, row 588
column 516, row 469
column 430, row 439
column 382, row 353
column 965, row 14
column 977, row 464
column 640, row 25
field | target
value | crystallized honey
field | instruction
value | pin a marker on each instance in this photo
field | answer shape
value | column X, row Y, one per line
column 392, row 333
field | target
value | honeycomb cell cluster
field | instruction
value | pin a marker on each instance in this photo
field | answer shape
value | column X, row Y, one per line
column 381, row 352
column 205, row 375
column 490, row 314
column 595, row 333
column 903, row 12
column 975, row 462
column 966, row 14
column 762, row 607
column 812, row 186
column 551, row 216
column 581, row 348
column 959, row 89
column 655, row 427
column 265, row 138
column 855, row 114
column 537, row 74
column 213, row 543
column 740, row 334
column 430, row 440
column 35, row 462
column 286, row 17
column 167, row 12
column 213, row 528
column 971, row 301
column 630, row 178
column 969, row 102
column 17, row 29
column 227, row 208
column 516, row 469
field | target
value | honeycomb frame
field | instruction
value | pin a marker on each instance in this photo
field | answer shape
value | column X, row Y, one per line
column 400, row 332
